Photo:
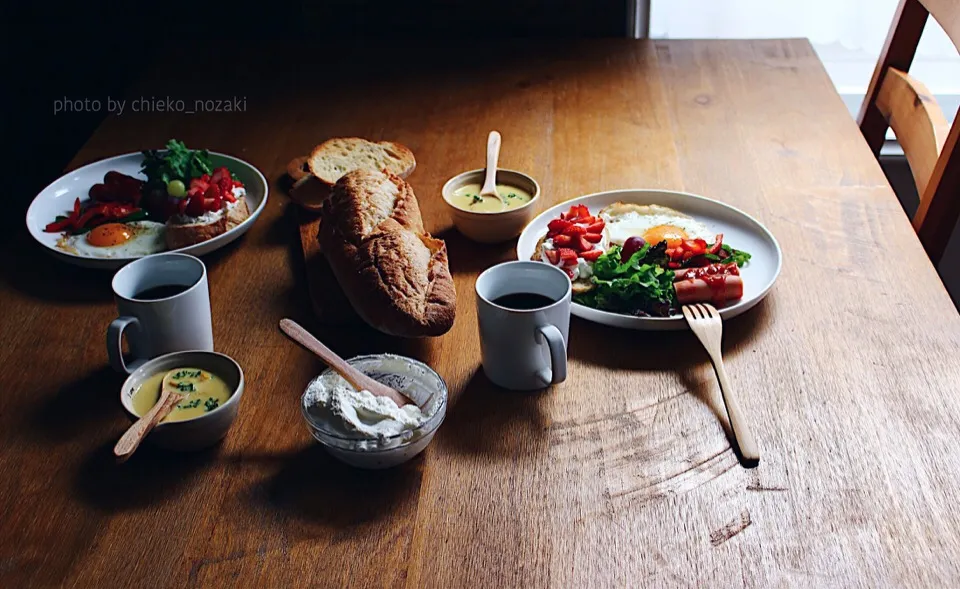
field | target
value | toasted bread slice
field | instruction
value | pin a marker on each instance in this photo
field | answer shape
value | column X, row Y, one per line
column 181, row 234
column 237, row 213
column 333, row 158
column 298, row 168
column 578, row 286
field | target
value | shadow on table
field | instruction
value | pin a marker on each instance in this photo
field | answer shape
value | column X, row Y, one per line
column 88, row 404
column 46, row 279
column 677, row 350
column 312, row 486
column 151, row 476
column 469, row 257
column 487, row 420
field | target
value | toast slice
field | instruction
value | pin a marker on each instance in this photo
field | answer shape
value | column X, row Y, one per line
column 333, row 158
column 184, row 231
column 237, row 212
column 578, row 286
column 298, row 168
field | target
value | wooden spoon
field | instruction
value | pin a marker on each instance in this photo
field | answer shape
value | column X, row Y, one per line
column 357, row 379
column 490, row 179
column 130, row 440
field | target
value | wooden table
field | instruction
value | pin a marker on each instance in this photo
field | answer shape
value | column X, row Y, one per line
column 622, row 476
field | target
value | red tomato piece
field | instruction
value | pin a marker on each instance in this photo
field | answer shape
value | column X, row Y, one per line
column 593, row 237
column 671, row 252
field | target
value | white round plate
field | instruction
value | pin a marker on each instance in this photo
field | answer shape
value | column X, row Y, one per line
column 740, row 231
column 57, row 199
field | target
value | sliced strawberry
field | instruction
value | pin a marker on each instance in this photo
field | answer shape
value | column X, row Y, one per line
column 557, row 226
column 553, row 256
column 212, row 198
column 562, row 241
column 582, row 211
column 593, row 237
column 586, row 221
column 592, row 255
column 584, row 245
column 575, row 230
column 596, row 227
column 568, row 256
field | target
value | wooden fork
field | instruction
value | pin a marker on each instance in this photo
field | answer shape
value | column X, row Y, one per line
column 705, row 321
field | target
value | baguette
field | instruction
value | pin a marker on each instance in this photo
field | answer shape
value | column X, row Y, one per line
column 394, row 273
column 335, row 157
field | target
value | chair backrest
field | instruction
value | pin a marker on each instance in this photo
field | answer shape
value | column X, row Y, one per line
column 897, row 100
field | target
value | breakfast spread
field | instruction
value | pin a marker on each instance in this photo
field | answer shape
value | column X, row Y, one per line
column 468, row 198
column 642, row 260
column 394, row 273
column 203, row 392
column 183, row 200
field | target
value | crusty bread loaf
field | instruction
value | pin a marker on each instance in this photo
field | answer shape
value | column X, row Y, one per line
column 394, row 273
column 335, row 157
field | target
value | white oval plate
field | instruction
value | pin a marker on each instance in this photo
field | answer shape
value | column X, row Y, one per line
column 739, row 229
column 57, row 199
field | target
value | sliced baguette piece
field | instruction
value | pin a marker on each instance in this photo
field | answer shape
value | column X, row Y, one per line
column 578, row 286
column 237, row 213
column 333, row 158
column 297, row 168
column 395, row 275
column 180, row 234
column 309, row 192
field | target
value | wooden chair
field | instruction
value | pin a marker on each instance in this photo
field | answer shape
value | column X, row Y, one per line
column 897, row 100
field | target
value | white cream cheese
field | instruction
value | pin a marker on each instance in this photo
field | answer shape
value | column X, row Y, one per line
column 349, row 411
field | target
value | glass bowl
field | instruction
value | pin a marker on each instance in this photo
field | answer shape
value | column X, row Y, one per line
column 412, row 378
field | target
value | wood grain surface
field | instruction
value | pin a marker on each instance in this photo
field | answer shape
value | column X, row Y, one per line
column 623, row 476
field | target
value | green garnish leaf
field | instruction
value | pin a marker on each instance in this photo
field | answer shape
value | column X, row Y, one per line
column 638, row 286
column 210, row 404
column 177, row 162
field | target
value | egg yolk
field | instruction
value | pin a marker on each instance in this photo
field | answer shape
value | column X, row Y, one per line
column 672, row 234
column 109, row 235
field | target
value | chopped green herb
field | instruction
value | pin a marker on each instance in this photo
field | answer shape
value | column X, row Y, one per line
column 189, row 405
column 187, row 374
column 185, row 387
column 210, row 404
column 512, row 195
column 476, row 198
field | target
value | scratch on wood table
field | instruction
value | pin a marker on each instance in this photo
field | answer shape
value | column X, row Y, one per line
column 731, row 529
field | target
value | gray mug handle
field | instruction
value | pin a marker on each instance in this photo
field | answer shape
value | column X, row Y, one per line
column 115, row 345
column 557, row 372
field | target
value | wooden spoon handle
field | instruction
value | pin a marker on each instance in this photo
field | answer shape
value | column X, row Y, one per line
column 493, row 156
column 130, row 440
column 357, row 379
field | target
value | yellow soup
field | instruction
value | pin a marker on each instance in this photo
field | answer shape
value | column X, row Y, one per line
column 202, row 390
column 468, row 198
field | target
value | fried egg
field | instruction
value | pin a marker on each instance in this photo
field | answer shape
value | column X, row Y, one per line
column 117, row 240
column 654, row 223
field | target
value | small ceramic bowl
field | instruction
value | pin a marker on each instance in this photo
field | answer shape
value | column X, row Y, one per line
column 411, row 377
column 198, row 432
column 497, row 226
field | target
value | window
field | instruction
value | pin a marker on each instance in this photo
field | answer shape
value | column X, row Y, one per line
column 847, row 34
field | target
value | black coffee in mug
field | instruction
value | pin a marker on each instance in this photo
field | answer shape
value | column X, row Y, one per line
column 523, row 301
column 155, row 293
